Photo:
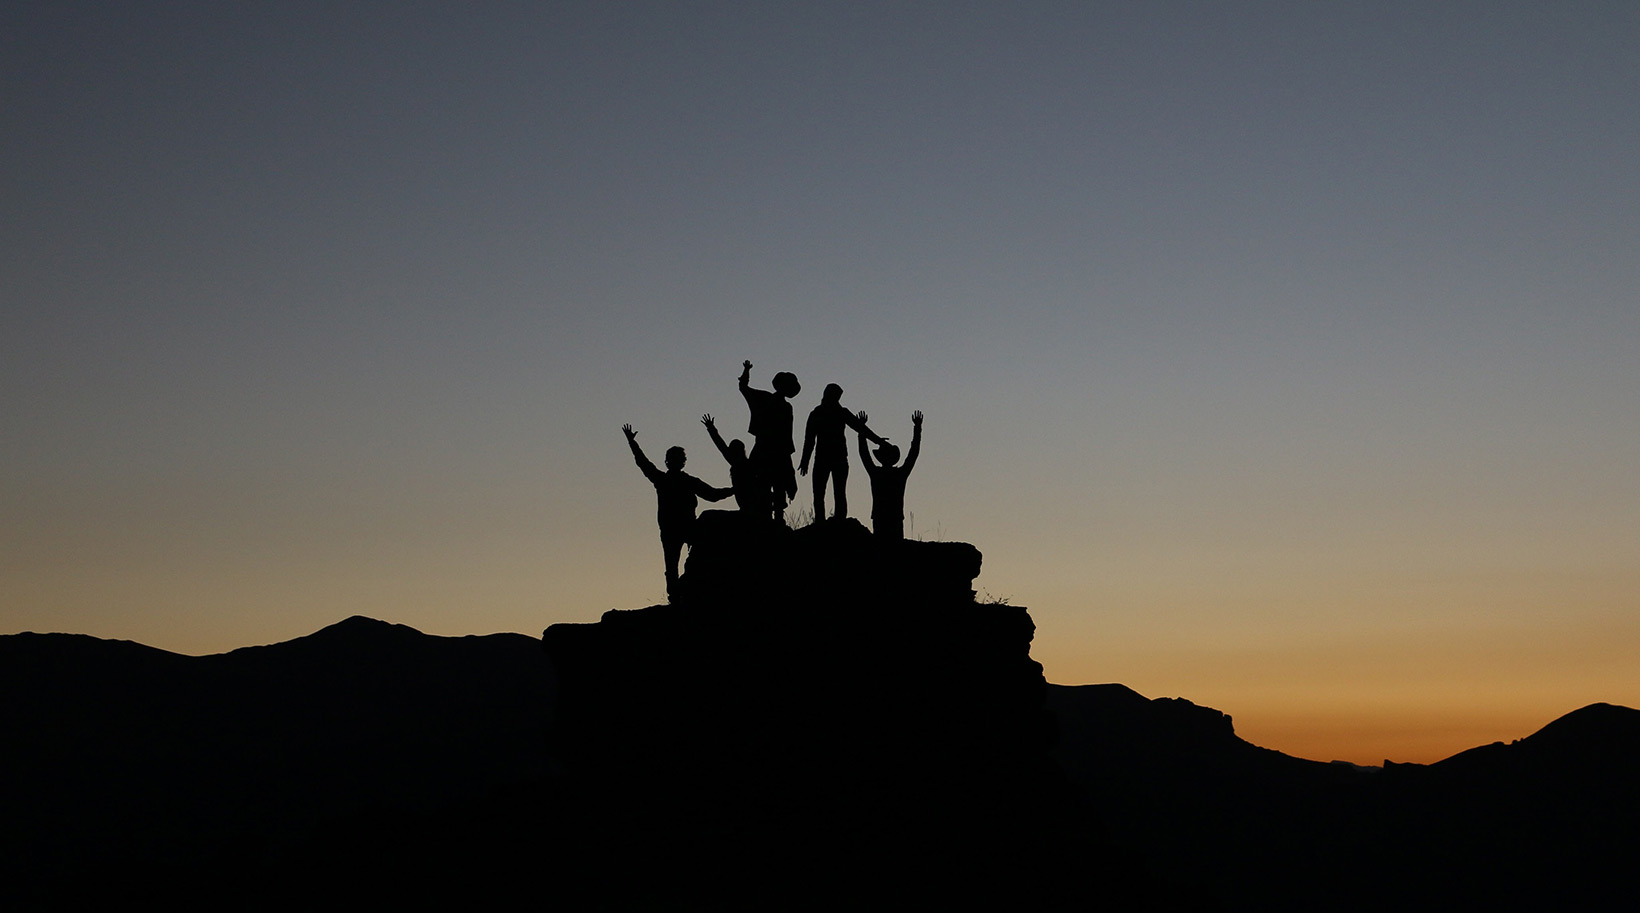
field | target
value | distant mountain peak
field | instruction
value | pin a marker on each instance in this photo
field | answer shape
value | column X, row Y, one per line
column 1598, row 726
column 357, row 635
column 361, row 625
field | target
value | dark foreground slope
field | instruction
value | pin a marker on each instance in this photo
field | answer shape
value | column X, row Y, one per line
column 1551, row 821
column 128, row 772
column 826, row 718
column 818, row 721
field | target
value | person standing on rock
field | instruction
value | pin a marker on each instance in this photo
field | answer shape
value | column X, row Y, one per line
column 676, row 492
column 752, row 500
column 771, row 430
column 888, row 481
column 823, row 438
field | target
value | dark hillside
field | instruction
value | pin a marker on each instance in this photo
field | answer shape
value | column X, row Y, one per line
column 823, row 708
column 127, row 767
column 819, row 719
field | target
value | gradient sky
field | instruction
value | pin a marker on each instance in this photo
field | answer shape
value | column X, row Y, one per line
column 1280, row 356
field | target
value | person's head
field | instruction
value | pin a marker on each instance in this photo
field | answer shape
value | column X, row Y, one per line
column 785, row 384
column 888, row 454
column 675, row 458
column 737, row 449
column 832, row 395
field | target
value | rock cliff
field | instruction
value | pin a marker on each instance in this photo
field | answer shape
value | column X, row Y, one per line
column 822, row 712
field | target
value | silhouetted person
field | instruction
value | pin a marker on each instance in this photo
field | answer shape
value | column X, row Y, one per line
column 888, row 481
column 771, row 430
column 675, row 494
column 824, row 438
column 751, row 497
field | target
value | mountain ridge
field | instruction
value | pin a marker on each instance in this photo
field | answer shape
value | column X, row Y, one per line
column 747, row 736
column 365, row 632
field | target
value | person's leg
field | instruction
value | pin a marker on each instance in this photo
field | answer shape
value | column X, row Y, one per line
column 785, row 485
column 839, row 489
column 773, row 476
column 673, row 547
column 818, row 476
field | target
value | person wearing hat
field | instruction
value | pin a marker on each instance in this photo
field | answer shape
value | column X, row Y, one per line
column 888, row 481
column 771, row 429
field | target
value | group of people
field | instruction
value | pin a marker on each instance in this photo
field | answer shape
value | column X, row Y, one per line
column 762, row 481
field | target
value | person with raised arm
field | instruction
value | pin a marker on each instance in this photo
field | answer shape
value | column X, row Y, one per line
column 823, row 438
column 676, row 494
column 771, row 430
column 752, row 500
column 888, row 481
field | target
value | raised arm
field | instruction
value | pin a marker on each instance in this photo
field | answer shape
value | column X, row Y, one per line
column 745, row 375
column 916, row 441
column 649, row 470
column 711, row 428
column 865, row 455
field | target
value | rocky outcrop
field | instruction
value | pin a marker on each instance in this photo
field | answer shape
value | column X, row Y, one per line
column 822, row 712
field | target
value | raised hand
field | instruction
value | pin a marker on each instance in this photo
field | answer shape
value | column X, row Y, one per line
column 630, row 434
column 916, row 418
column 747, row 364
column 707, row 420
column 863, row 417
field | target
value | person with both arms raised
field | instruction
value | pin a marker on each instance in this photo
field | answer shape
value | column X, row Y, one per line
column 823, row 438
column 888, row 481
column 676, row 492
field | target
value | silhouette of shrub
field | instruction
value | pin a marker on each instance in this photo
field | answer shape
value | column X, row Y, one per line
column 799, row 517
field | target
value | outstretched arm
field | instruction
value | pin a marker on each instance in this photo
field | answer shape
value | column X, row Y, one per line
column 858, row 423
column 649, row 470
column 916, row 441
column 711, row 428
column 706, row 491
column 745, row 375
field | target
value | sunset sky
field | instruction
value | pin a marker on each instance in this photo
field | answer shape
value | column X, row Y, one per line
column 1280, row 356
